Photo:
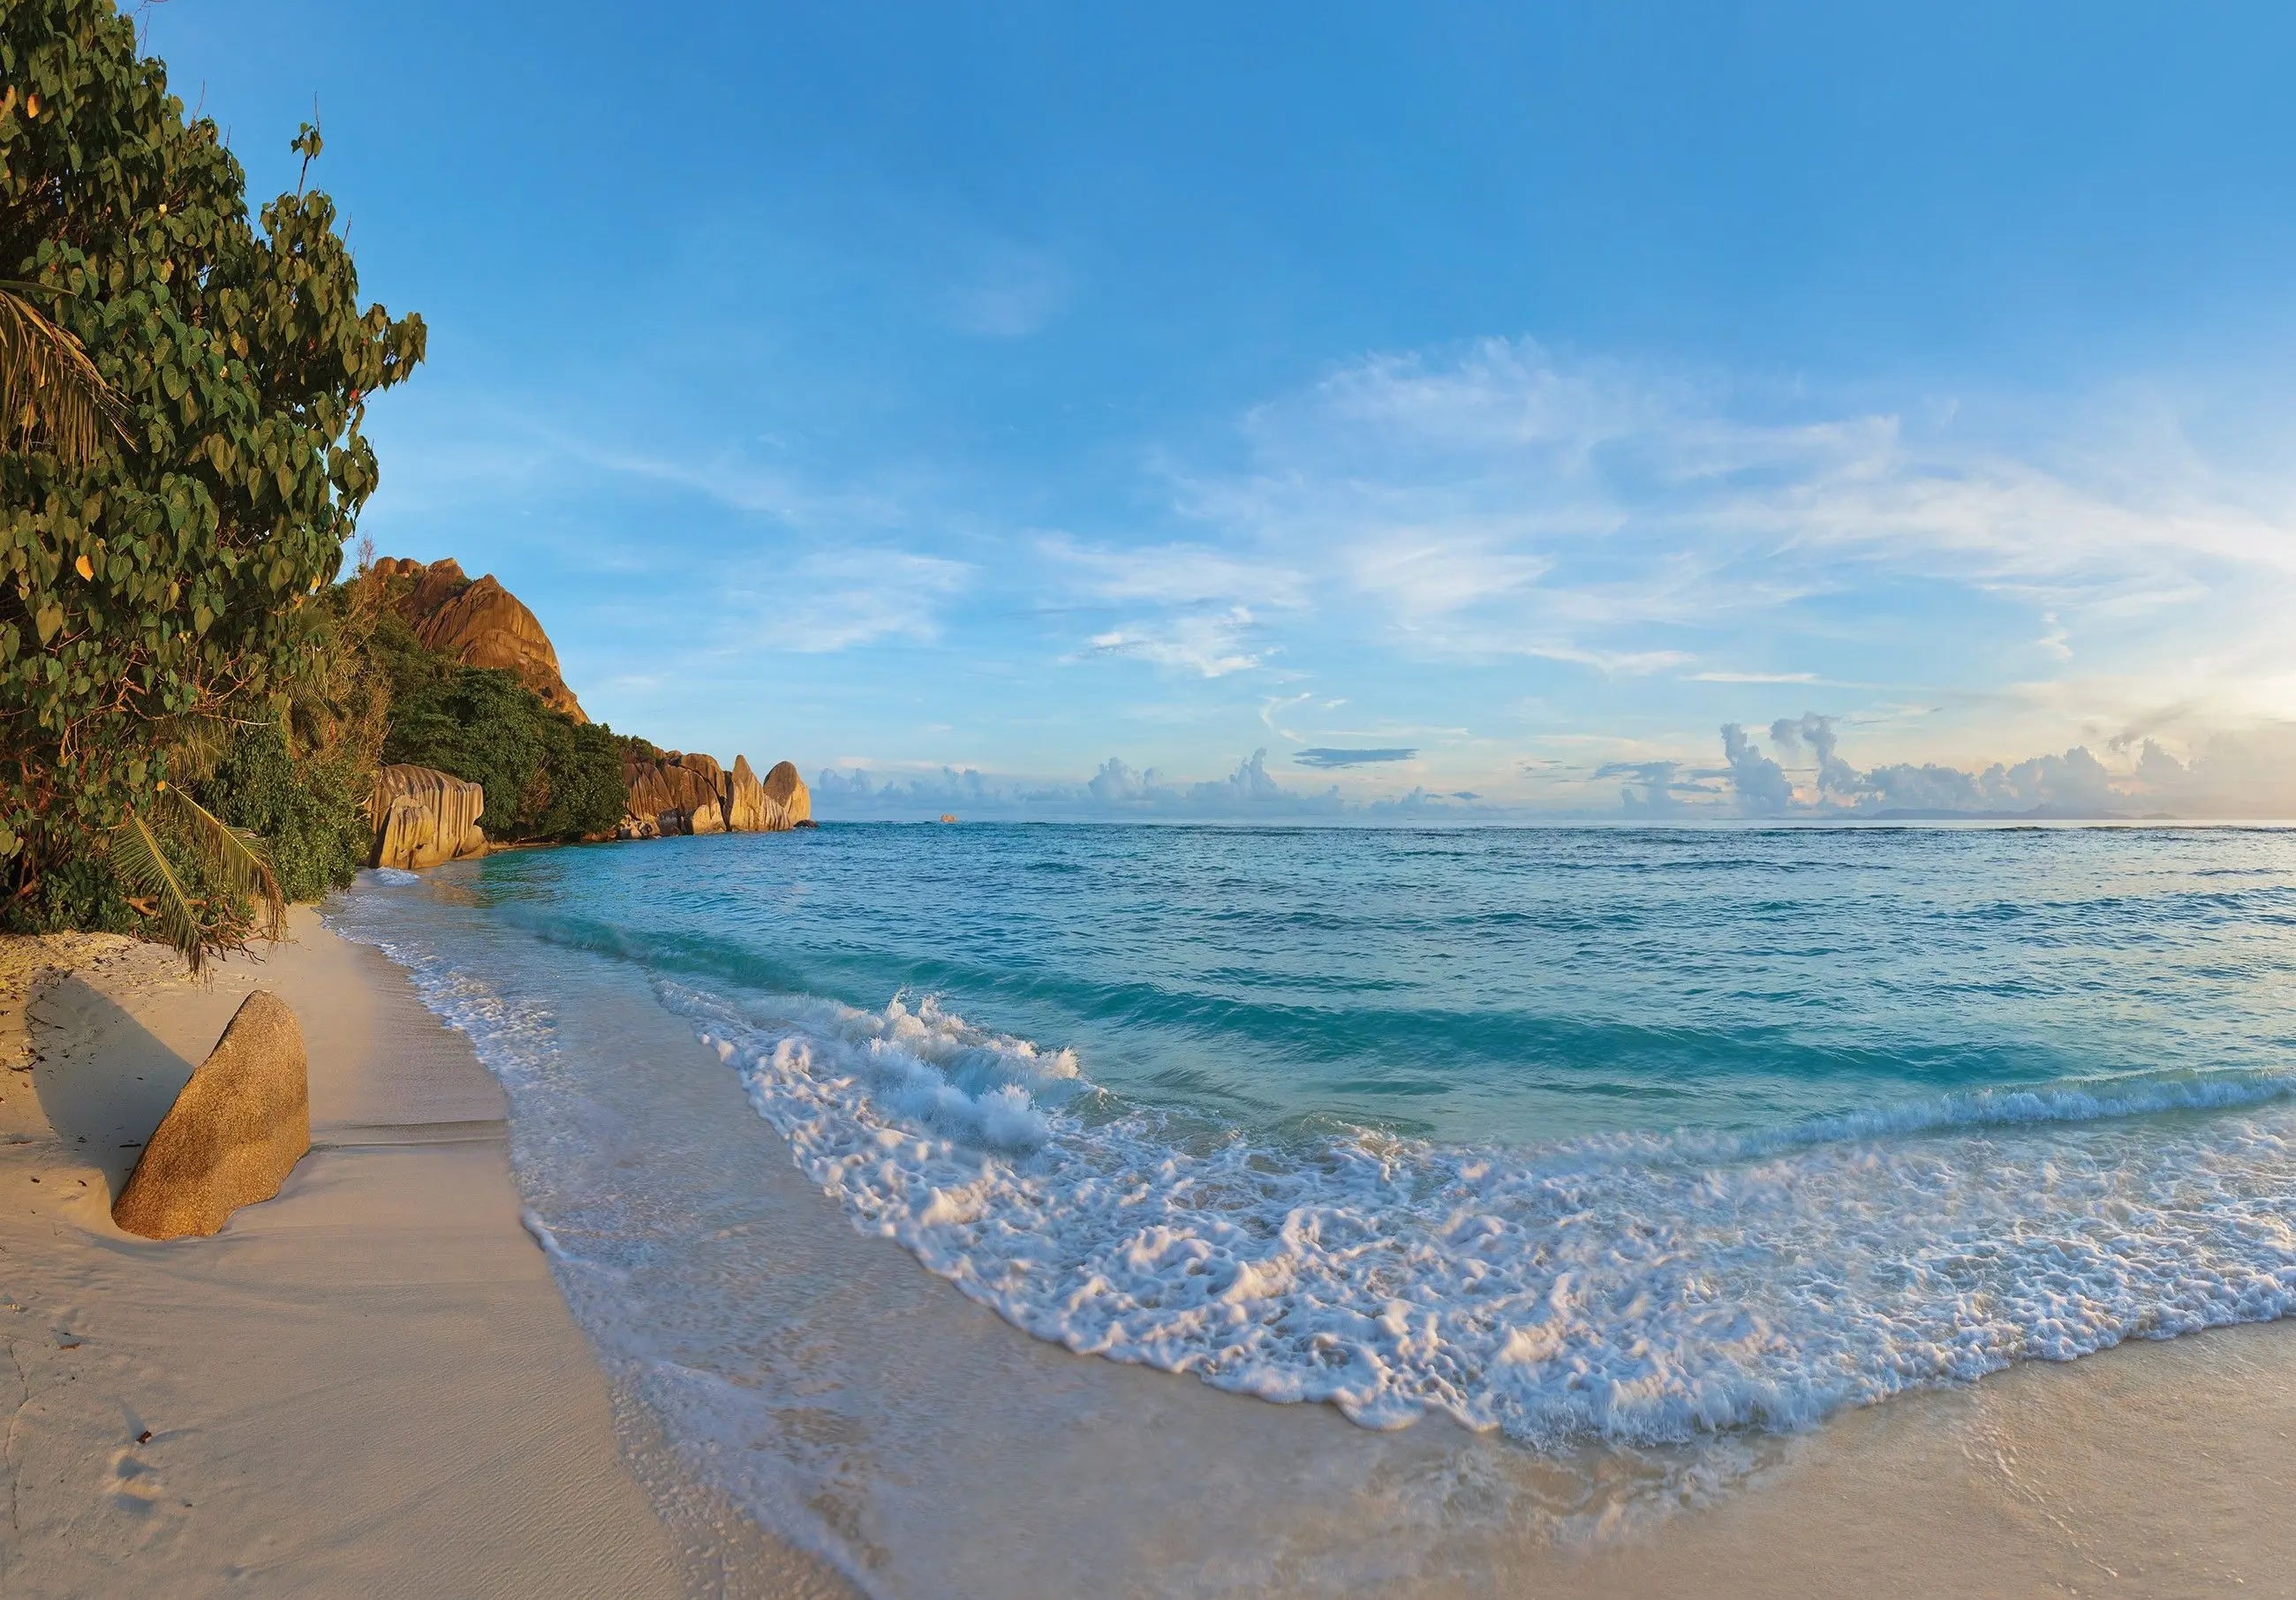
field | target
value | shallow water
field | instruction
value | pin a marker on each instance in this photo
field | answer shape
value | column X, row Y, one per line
column 1624, row 1148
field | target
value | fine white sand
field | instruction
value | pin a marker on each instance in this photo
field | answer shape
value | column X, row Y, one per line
column 367, row 1386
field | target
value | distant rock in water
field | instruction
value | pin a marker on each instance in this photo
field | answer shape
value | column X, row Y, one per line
column 787, row 790
column 745, row 799
column 479, row 624
column 235, row 1132
column 690, row 794
column 423, row 817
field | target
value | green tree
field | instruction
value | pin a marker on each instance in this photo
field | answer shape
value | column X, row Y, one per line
column 546, row 777
column 160, row 587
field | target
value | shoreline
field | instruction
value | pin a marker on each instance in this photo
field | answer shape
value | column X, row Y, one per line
column 374, row 1385
column 369, row 1384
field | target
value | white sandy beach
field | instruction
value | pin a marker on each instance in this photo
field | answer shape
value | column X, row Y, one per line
column 367, row 1386
column 372, row 1386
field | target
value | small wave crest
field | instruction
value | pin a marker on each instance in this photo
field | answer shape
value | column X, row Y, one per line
column 925, row 1068
column 1633, row 1287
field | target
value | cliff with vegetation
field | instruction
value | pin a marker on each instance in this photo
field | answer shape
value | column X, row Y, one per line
column 201, row 717
column 478, row 624
column 476, row 694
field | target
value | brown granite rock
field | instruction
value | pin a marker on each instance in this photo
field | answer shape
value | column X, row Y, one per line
column 690, row 794
column 236, row 1129
column 679, row 793
column 745, row 799
column 422, row 817
column 479, row 624
column 787, row 793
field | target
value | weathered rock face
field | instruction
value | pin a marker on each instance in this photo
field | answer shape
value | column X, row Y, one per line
column 422, row 817
column 745, row 799
column 678, row 794
column 481, row 624
column 235, row 1132
column 690, row 794
column 790, row 800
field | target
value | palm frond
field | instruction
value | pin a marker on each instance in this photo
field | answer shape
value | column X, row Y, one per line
column 137, row 857
column 232, row 863
column 235, row 861
column 48, row 386
column 195, row 744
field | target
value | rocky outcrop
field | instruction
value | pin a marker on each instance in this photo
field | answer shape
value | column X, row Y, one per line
column 236, row 1129
column 423, row 817
column 678, row 794
column 789, row 802
column 482, row 624
column 479, row 624
column 690, row 794
column 745, row 799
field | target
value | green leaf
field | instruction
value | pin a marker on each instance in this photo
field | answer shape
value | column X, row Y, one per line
column 50, row 620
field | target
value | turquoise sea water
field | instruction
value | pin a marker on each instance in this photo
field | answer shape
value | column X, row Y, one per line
column 1633, row 1135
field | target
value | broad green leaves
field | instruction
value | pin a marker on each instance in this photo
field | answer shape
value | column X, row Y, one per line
column 158, row 583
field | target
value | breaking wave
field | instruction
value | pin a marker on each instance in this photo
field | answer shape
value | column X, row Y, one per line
column 1636, row 1287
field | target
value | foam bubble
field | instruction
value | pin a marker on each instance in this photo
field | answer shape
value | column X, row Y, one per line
column 1630, row 1287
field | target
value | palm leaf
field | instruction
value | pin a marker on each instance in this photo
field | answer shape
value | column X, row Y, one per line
column 144, row 865
column 48, row 386
column 234, row 862
column 195, row 744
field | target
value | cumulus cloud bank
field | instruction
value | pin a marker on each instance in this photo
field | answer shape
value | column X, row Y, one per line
column 2249, row 774
column 1118, row 791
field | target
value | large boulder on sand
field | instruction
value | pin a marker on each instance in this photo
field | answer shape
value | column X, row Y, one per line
column 479, row 624
column 422, row 817
column 235, row 1132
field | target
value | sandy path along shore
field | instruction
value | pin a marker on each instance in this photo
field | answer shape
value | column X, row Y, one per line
column 367, row 1386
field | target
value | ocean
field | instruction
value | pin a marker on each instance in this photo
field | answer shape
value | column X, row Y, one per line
column 1584, row 1165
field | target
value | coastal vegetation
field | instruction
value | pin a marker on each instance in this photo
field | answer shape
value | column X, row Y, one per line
column 164, row 547
column 547, row 777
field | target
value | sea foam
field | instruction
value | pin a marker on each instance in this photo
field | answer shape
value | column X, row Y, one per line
column 1632, row 1287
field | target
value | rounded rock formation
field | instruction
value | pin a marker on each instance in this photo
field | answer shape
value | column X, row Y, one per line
column 422, row 817
column 236, row 1129
column 479, row 624
column 786, row 792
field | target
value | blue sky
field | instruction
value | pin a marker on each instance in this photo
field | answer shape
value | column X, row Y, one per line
column 1050, row 409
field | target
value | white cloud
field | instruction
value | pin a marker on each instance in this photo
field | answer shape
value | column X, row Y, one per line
column 1498, row 500
column 833, row 601
column 1208, row 644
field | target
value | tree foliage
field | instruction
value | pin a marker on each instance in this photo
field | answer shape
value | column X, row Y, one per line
column 165, row 585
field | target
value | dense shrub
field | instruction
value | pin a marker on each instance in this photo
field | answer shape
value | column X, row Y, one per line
column 310, row 810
